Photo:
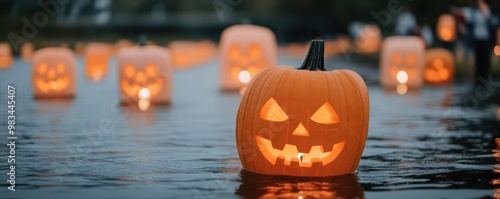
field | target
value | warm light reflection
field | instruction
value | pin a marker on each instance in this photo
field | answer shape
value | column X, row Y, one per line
column 402, row 77
column 144, row 99
column 496, row 50
column 244, row 76
column 402, row 89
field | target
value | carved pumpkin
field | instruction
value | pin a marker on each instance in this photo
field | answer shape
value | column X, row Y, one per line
column 145, row 75
column 402, row 62
column 6, row 58
column 54, row 73
column 332, row 47
column 96, row 60
column 439, row 66
column 368, row 39
column 245, row 51
column 446, row 28
column 305, row 121
column 27, row 51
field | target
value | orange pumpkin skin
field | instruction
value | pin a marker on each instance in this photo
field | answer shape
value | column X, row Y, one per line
column 54, row 73
column 278, row 122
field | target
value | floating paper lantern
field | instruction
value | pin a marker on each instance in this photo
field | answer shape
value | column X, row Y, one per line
column 6, row 58
column 245, row 50
column 27, row 50
column 54, row 73
column 446, row 28
column 368, row 39
column 402, row 62
column 96, row 60
column 145, row 75
column 439, row 66
column 303, row 121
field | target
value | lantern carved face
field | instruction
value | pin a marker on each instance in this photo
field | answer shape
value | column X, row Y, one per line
column 245, row 51
column 6, row 58
column 446, row 28
column 368, row 39
column 96, row 60
column 303, row 122
column 54, row 73
column 145, row 74
column 402, row 61
column 439, row 66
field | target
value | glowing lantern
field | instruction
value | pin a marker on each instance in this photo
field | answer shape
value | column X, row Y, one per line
column 305, row 121
column 245, row 51
column 145, row 75
column 189, row 53
column 368, row 39
column 439, row 66
column 27, row 51
column 446, row 28
column 402, row 62
column 96, row 60
column 54, row 73
column 6, row 58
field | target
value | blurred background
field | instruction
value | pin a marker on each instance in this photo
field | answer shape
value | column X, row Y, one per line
column 164, row 21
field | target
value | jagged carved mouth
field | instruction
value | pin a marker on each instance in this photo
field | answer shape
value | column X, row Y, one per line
column 289, row 153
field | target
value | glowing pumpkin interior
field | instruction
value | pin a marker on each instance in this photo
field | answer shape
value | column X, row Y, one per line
column 245, row 51
column 54, row 73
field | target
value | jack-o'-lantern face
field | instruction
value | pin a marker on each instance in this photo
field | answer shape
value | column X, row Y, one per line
column 245, row 51
column 439, row 66
column 144, row 74
column 51, row 78
column 135, row 79
column 54, row 72
column 324, row 120
column 303, row 122
column 402, row 62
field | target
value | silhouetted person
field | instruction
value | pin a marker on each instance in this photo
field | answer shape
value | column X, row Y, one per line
column 481, row 29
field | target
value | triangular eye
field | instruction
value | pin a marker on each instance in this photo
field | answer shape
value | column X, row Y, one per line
column 271, row 111
column 325, row 115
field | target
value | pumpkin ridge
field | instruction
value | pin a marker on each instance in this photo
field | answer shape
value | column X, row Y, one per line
column 362, row 98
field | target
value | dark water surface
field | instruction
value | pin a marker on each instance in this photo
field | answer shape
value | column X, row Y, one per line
column 419, row 146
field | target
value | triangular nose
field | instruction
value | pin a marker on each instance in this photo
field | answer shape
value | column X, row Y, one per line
column 300, row 130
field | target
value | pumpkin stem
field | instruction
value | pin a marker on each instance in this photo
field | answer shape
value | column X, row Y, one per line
column 315, row 58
